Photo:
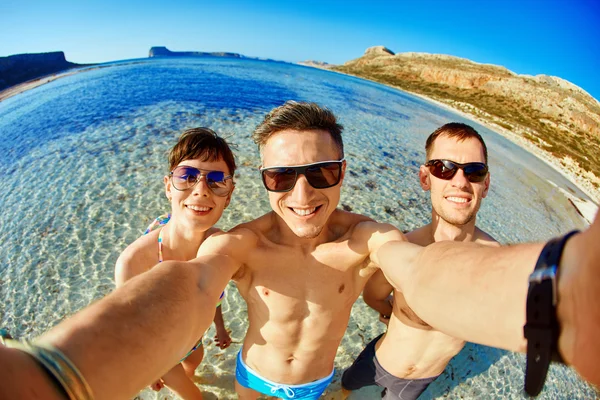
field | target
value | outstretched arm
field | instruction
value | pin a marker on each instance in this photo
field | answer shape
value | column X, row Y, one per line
column 479, row 293
column 127, row 340
column 130, row 338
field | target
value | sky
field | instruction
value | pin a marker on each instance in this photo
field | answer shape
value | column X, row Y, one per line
column 551, row 37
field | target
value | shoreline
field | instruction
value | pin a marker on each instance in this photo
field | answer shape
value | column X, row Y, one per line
column 573, row 173
column 31, row 84
column 578, row 177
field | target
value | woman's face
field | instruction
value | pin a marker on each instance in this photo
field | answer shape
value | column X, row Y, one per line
column 198, row 205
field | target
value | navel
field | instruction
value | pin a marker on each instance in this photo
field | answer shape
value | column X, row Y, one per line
column 265, row 291
column 342, row 287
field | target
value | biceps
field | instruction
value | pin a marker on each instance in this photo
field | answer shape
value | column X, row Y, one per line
column 125, row 271
column 377, row 288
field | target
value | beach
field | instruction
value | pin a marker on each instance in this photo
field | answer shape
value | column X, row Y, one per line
column 96, row 144
column 584, row 180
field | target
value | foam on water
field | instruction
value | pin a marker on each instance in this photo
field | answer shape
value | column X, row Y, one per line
column 83, row 159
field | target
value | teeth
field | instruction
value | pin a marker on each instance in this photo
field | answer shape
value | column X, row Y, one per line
column 197, row 208
column 304, row 212
column 457, row 199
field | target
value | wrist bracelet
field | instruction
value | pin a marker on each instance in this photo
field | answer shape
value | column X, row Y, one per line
column 64, row 372
column 542, row 328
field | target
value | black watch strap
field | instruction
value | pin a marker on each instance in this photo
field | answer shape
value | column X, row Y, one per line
column 542, row 329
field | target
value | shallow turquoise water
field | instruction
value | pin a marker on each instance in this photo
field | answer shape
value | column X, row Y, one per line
column 82, row 161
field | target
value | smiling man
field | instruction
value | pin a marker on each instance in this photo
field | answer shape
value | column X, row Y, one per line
column 299, row 267
column 411, row 354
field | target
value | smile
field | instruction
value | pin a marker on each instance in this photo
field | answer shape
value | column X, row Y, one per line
column 198, row 208
column 304, row 212
column 454, row 199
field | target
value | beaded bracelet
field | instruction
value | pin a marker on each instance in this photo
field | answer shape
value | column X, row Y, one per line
column 56, row 364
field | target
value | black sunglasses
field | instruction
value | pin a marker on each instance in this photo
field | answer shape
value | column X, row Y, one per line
column 185, row 177
column 320, row 175
column 446, row 169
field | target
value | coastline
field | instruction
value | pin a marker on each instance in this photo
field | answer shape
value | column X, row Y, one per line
column 580, row 178
column 566, row 167
column 22, row 87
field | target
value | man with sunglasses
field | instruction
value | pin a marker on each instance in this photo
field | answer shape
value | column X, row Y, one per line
column 299, row 267
column 411, row 354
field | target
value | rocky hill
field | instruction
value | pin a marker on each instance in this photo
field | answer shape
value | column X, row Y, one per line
column 19, row 68
column 161, row 51
column 555, row 115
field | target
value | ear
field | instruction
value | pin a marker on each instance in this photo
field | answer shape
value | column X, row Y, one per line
column 343, row 171
column 168, row 188
column 424, row 178
column 229, row 197
column 487, row 186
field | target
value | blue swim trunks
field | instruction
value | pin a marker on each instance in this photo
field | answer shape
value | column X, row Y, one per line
column 250, row 379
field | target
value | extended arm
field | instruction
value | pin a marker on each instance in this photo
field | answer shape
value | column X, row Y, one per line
column 120, row 343
column 479, row 294
column 133, row 336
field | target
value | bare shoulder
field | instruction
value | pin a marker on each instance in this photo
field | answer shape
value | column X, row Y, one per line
column 369, row 234
column 138, row 257
column 232, row 243
column 421, row 236
column 485, row 239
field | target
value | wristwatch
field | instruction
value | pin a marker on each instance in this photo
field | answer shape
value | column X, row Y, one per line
column 542, row 328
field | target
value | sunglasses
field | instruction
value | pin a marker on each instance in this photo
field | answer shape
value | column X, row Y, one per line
column 320, row 175
column 185, row 177
column 446, row 169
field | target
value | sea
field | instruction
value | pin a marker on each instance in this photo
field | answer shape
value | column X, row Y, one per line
column 82, row 161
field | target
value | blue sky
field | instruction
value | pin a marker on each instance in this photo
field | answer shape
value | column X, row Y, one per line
column 560, row 38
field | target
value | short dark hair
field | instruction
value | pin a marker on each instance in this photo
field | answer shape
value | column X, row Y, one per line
column 204, row 144
column 299, row 116
column 458, row 131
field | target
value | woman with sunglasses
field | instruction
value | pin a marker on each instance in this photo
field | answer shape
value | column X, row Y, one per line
column 199, row 188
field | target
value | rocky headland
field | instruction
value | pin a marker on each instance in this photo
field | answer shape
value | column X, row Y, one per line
column 20, row 68
column 161, row 51
column 553, row 118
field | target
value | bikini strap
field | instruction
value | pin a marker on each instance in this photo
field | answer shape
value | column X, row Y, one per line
column 160, row 246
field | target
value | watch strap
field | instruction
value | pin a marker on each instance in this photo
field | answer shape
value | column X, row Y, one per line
column 542, row 328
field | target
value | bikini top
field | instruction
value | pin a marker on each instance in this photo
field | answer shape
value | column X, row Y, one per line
column 158, row 223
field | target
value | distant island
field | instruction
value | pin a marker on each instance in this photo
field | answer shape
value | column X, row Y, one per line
column 20, row 68
column 161, row 51
column 550, row 116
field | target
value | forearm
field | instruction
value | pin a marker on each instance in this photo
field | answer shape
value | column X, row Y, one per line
column 127, row 340
column 579, row 304
column 472, row 292
column 218, row 319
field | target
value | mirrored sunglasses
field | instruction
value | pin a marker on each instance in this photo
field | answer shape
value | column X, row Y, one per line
column 185, row 177
column 446, row 169
column 320, row 175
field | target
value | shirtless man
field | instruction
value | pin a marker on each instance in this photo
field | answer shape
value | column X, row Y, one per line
column 301, row 266
column 411, row 354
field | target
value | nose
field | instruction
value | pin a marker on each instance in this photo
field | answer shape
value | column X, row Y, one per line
column 302, row 190
column 459, row 179
column 201, row 188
